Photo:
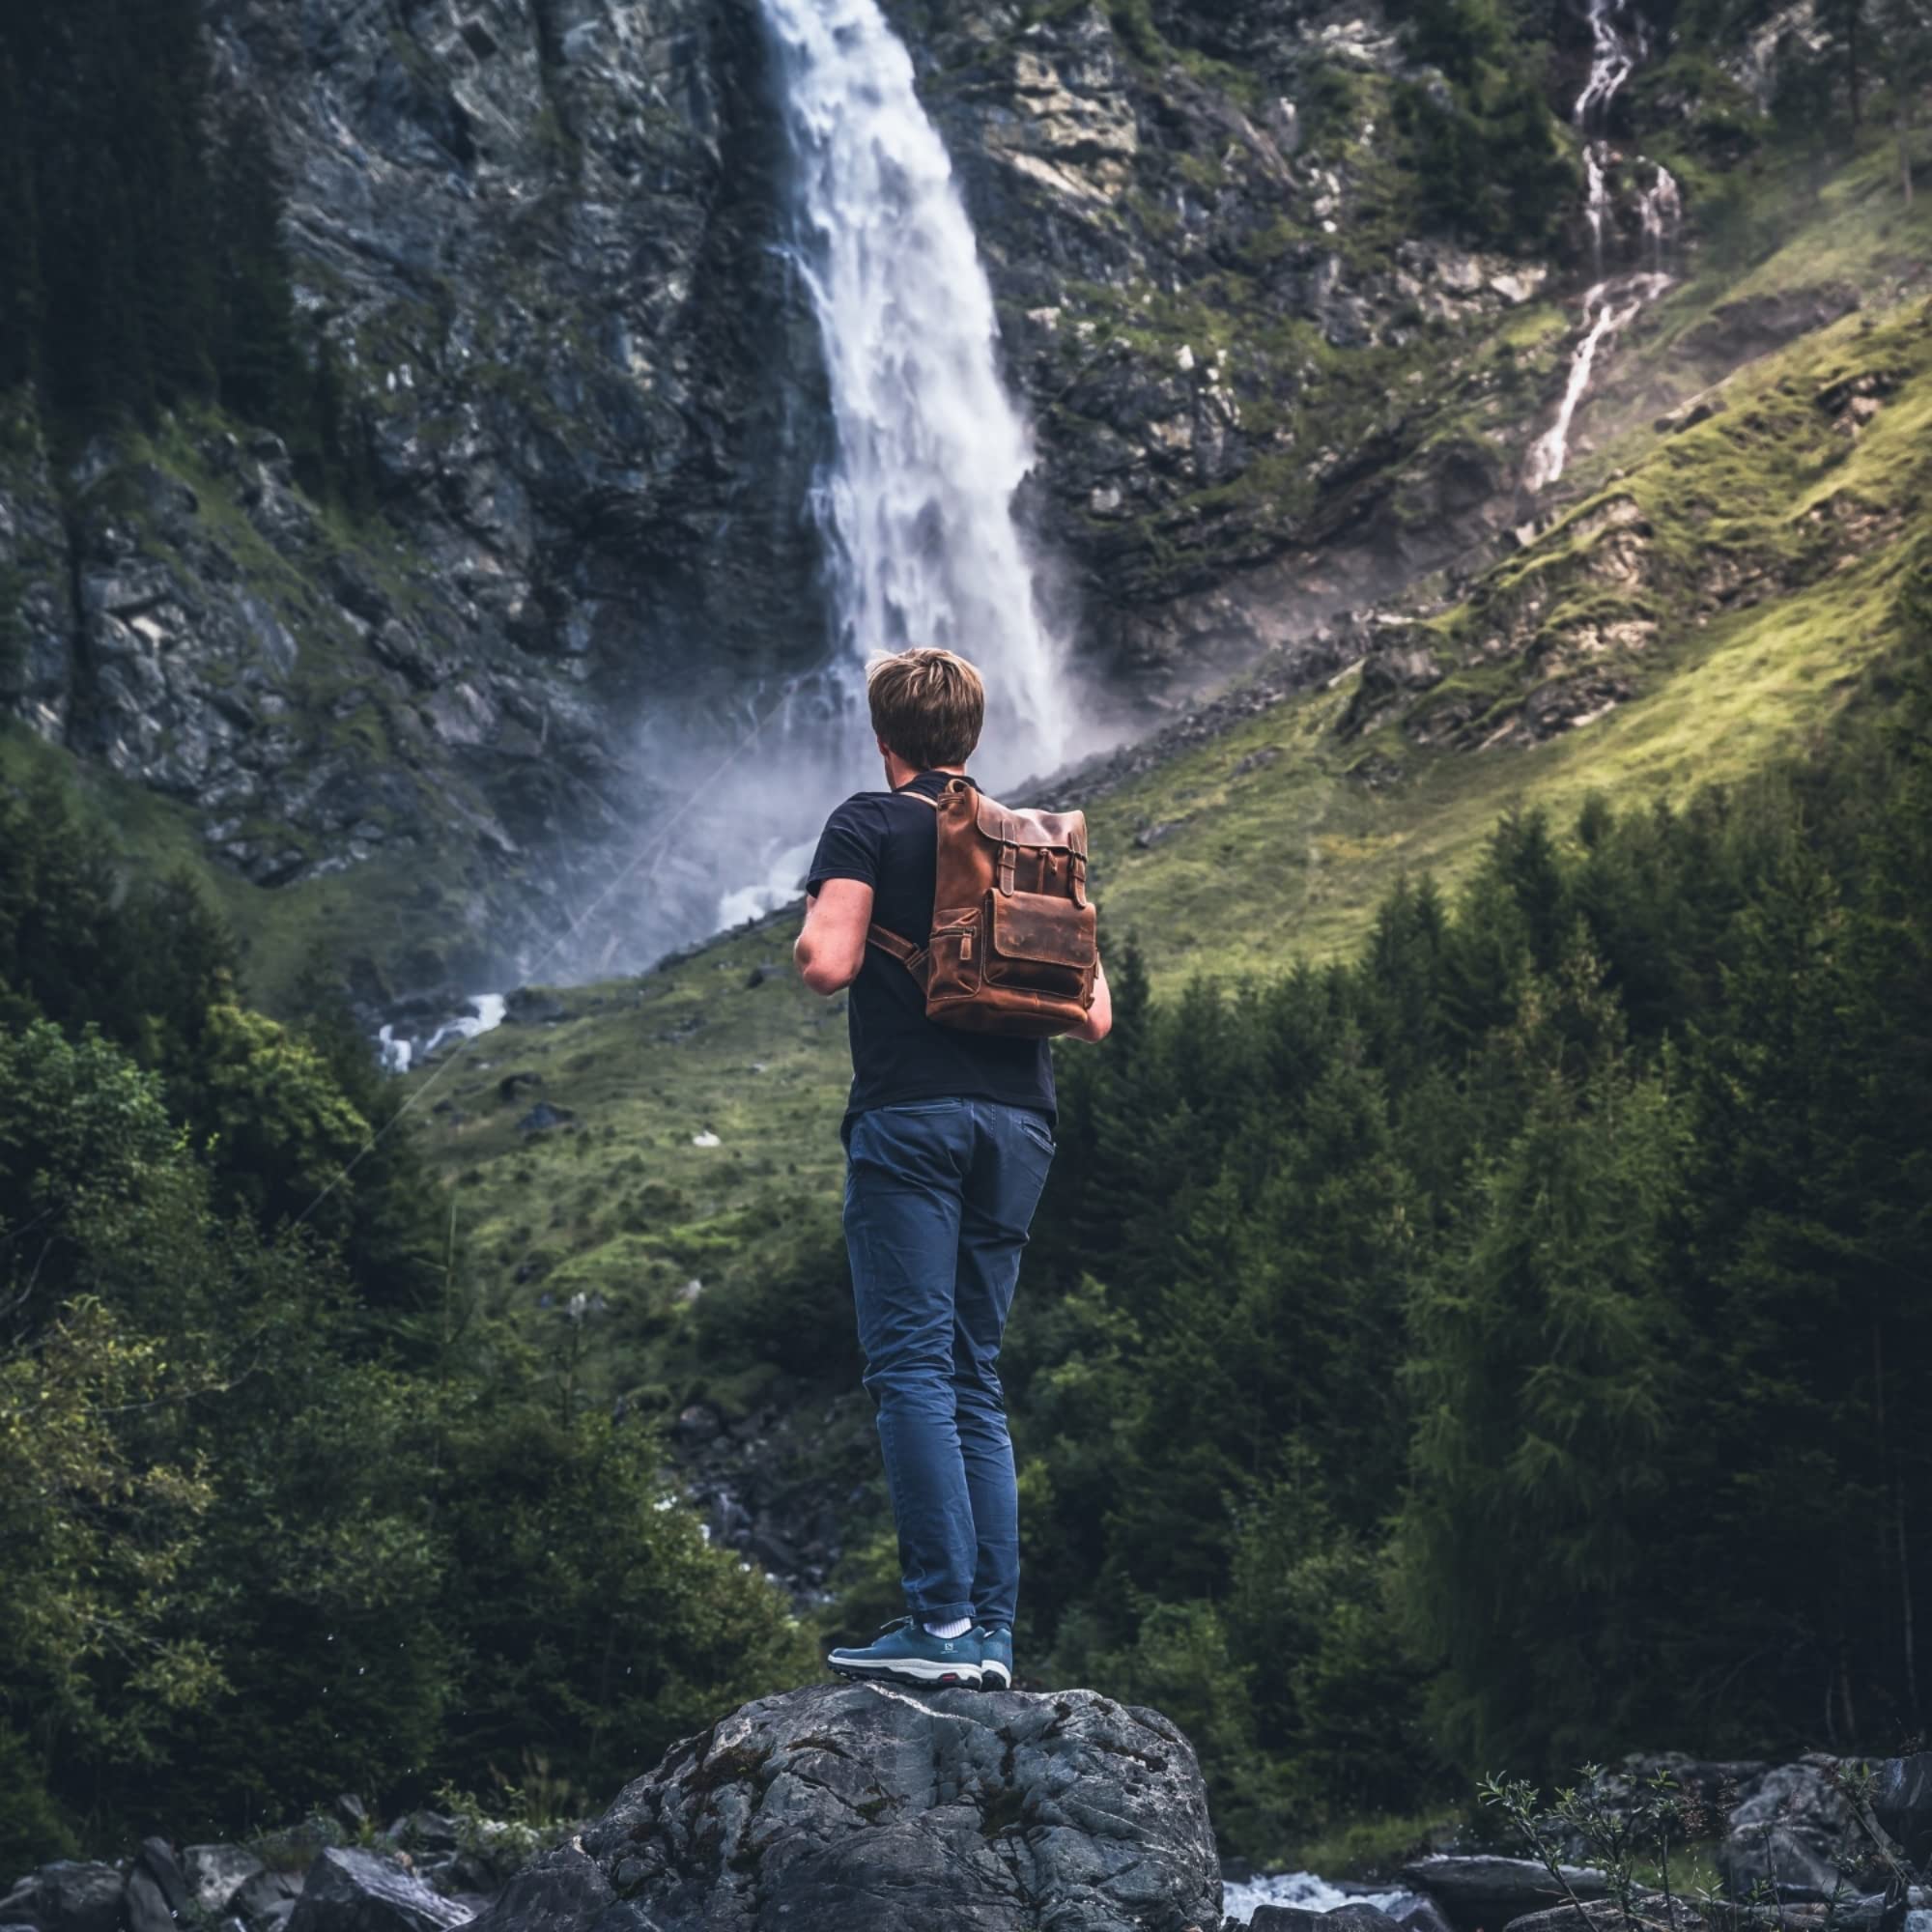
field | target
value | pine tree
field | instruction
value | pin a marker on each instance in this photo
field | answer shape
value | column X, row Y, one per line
column 1904, row 32
column 165, row 86
column 257, row 363
column 1545, row 1368
column 20, row 293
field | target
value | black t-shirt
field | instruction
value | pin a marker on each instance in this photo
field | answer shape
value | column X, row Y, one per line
column 890, row 843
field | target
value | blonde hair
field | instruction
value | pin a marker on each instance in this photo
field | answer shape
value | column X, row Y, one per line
column 928, row 706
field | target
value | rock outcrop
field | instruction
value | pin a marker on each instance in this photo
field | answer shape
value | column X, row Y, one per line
column 1490, row 1892
column 834, row 1807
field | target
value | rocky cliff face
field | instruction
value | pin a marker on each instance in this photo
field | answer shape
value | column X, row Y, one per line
column 543, row 236
column 1257, row 396
column 547, row 238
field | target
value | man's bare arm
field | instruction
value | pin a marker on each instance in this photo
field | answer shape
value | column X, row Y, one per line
column 1101, row 1014
column 832, row 947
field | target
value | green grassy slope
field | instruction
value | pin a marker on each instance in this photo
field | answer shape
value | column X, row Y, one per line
column 1271, row 855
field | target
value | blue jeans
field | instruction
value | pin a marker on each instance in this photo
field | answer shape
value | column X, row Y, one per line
column 938, row 1198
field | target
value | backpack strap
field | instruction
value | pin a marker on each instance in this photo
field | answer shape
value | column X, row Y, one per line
column 912, row 957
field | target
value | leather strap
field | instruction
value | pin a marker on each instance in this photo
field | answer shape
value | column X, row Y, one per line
column 912, row 957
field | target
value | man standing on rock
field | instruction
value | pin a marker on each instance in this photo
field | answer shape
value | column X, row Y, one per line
column 949, row 1135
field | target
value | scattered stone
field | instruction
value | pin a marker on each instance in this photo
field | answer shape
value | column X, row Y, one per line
column 544, row 1118
column 532, row 1006
column 350, row 1891
column 1791, row 1833
column 706, row 1139
column 1150, row 836
column 158, row 1894
column 1419, row 1913
column 1902, row 1804
column 1352, row 1917
column 1604, row 1914
column 558, row 1893
column 215, row 1873
column 1698, row 409
column 1478, row 1892
column 267, row 1900
column 67, row 1895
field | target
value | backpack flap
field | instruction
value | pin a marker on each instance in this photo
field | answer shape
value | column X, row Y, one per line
column 1041, row 943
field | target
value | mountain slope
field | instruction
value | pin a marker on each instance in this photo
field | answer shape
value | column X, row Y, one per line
column 1705, row 605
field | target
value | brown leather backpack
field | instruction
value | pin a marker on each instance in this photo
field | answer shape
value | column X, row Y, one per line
column 1012, row 949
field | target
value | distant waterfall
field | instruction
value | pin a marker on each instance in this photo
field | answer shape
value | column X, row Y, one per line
column 1618, row 41
column 917, row 508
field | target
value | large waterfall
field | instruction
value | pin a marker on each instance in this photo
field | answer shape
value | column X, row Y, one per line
column 918, row 509
column 918, row 505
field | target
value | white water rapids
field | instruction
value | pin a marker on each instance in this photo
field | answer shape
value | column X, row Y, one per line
column 1619, row 41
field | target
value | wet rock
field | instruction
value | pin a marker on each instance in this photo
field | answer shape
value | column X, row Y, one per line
column 266, row 1901
column 544, row 1118
column 860, row 1804
column 157, row 1894
column 1418, row 1912
column 1605, row 1915
column 1477, row 1893
column 215, row 1873
column 558, row 1893
column 1902, row 1803
column 67, row 1895
column 1795, row 1833
column 348, row 1891
column 1352, row 1917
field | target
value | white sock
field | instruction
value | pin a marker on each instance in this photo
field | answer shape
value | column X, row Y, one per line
column 958, row 1627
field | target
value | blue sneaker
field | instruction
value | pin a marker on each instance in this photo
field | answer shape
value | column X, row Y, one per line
column 905, row 1651
column 996, row 1657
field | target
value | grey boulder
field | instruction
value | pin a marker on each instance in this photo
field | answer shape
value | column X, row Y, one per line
column 67, row 1895
column 1484, row 1894
column 348, row 1890
column 1604, row 1914
column 860, row 1804
column 266, row 1901
column 215, row 1873
column 1902, row 1804
column 1357, row 1917
column 1795, row 1832
column 157, row 1894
